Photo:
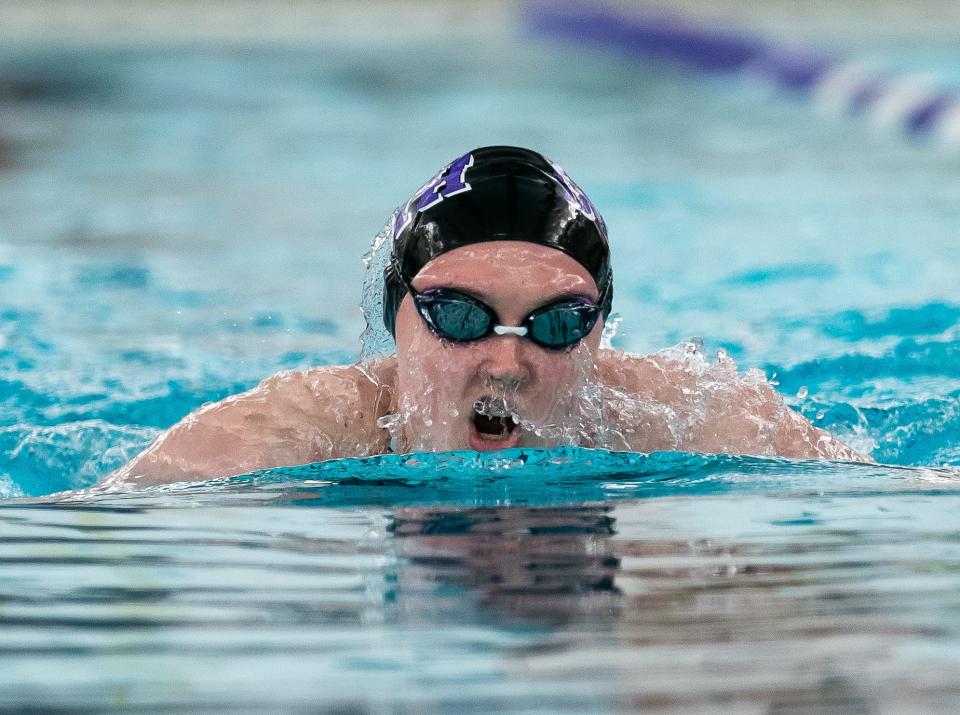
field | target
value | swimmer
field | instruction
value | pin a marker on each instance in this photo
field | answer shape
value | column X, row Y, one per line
column 496, row 291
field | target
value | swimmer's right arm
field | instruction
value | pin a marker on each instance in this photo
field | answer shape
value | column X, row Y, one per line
column 294, row 417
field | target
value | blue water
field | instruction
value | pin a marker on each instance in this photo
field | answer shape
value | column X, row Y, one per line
column 527, row 581
column 179, row 221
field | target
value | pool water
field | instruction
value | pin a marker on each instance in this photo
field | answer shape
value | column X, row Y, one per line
column 179, row 220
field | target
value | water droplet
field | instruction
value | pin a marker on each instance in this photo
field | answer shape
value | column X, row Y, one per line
column 388, row 421
column 610, row 329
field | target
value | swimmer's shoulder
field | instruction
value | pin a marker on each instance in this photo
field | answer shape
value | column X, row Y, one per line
column 721, row 410
column 292, row 417
column 344, row 401
column 653, row 376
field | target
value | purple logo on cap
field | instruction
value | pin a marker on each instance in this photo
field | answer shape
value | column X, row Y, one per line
column 450, row 181
column 574, row 194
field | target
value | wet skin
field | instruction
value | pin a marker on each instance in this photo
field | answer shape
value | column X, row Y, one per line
column 445, row 379
column 654, row 402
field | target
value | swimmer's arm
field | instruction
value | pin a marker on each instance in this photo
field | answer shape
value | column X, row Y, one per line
column 755, row 420
column 294, row 417
column 742, row 416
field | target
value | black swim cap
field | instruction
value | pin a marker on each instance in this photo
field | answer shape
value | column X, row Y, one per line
column 496, row 193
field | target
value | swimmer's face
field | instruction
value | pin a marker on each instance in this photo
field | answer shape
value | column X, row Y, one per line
column 440, row 382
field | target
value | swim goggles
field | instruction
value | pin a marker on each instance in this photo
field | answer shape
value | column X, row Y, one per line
column 461, row 318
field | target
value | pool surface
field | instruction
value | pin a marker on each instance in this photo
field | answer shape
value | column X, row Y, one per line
column 181, row 218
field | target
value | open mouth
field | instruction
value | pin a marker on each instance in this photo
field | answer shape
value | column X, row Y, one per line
column 493, row 425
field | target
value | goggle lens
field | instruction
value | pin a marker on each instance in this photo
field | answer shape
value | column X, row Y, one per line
column 458, row 318
column 562, row 324
column 461, row 318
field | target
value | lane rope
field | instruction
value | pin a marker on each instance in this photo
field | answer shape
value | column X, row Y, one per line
column 912, row 104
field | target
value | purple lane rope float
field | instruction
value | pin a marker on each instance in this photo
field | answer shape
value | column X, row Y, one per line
column 911, row 104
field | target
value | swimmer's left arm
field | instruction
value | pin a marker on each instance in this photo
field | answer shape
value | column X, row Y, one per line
column 718, row 411
column 755, row 420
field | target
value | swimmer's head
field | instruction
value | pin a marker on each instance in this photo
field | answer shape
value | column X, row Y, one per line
column 496, row 293
column 496, row 193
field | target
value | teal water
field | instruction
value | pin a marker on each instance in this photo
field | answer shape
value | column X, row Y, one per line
column 528, row 581
column 178, row 222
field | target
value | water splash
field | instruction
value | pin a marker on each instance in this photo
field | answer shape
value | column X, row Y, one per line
column 376, row 343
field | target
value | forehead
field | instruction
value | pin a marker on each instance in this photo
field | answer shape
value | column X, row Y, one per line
column 493, row 265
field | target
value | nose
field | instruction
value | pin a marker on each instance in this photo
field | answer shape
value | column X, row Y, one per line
column 504, row 361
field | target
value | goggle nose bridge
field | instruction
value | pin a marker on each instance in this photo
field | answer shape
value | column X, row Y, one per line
column 508, row 330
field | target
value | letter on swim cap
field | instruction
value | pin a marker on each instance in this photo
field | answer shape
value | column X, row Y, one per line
column 574, row 194
column 451, row 182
